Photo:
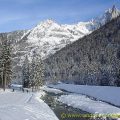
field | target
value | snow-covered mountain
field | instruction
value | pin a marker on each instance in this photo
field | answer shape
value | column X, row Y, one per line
column 106, row 17
column 49, row 36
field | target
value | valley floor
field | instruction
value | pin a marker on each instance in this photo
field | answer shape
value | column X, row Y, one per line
column 28, row 106
column 24, row 106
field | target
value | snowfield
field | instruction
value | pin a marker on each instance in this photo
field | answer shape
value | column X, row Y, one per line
column 108, row 94
column 24, row 106
column 86, row 104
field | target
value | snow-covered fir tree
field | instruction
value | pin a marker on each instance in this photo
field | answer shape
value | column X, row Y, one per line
column 25, row 72
column 32, row 72
column 5, row 61
column 36, row 71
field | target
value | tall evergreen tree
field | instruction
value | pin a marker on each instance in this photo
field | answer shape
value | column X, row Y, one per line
column 5, row 61
column 32, row 72
column 25, row 72
column 37, row 71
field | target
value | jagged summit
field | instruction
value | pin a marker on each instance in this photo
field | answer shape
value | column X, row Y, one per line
column 112, row 13
column 49, row 27
column 114, row 10
column 107, row 16
column 47, row 22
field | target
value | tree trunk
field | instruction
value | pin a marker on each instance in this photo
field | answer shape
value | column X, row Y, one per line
column 32, row 88
column 4, row 82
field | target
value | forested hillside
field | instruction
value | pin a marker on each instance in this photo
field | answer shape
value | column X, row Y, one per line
column 93, row 60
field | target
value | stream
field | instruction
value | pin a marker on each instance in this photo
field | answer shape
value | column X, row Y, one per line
column 63, row 111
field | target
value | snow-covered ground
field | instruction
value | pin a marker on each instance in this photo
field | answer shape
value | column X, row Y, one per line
column 51, row 90
column 24, row 106
column 86, row 104
column 108, row 94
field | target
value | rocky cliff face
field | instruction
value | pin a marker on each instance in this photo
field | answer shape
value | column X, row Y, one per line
column 93, row 59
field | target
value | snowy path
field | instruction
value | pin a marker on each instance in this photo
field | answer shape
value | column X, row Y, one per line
column 24, row 106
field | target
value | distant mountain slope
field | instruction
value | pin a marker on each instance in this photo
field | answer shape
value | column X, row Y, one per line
column 93, row 59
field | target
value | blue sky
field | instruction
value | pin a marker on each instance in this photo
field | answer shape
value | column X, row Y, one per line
column 25, row 14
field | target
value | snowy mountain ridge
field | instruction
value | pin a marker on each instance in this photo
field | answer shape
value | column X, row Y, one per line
column 51, row 36
column 107, row 16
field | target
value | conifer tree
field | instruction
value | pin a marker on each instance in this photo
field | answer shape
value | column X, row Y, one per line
column 25, row 73
column 37, row 71
column 5, row 61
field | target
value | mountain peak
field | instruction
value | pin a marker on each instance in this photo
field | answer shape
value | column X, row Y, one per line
column 49, row 21
column 46, row 24
column 107, row 16
column 114, row 8
column 112, row 13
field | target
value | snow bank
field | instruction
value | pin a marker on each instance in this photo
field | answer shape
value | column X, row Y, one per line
column 105, row 93
column 51, row 90
column 86, row 104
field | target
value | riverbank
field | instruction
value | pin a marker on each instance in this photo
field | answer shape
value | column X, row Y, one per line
column 109, row 94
